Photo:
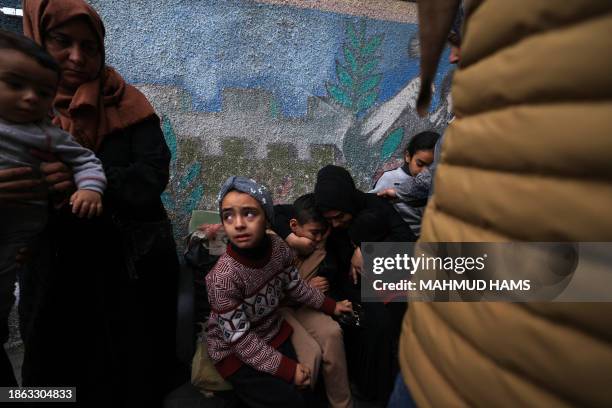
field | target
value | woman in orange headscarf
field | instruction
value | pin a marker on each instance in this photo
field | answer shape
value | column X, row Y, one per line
column 106, row 322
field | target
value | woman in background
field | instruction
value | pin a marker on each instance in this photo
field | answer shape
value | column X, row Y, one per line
column 106, row 317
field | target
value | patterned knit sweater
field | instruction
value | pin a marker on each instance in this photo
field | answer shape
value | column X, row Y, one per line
column 245, row 326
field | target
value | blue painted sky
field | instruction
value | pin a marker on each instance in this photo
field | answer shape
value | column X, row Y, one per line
column 206, row 46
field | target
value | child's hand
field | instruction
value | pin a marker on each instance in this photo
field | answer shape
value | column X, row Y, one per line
column 86, row 203
column 319, row 282
column 387, row 193
column 343, row 306
column 301, row 378
column 302, row 245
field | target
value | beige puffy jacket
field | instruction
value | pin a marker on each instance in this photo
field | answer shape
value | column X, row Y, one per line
column 528, row 159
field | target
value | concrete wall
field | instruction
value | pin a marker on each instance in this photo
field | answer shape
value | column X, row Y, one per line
column 273, row 89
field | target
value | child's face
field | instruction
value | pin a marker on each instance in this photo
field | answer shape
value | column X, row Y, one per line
column 312, row 230
column 420, row 160
column 243, row 219
column 27, row 88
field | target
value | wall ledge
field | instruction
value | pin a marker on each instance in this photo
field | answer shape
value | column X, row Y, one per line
column 388, row 10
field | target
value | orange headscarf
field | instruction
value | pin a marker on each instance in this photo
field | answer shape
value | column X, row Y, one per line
column 97, row 108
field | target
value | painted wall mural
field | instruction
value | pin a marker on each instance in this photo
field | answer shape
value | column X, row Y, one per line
column 272, row 89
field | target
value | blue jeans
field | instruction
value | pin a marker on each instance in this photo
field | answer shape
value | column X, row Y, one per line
column 401, row 397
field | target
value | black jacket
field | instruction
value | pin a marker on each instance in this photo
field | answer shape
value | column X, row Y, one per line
column 98, row 323
column 136, row 162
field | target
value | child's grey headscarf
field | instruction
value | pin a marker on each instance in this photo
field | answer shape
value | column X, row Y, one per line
column 252, row 188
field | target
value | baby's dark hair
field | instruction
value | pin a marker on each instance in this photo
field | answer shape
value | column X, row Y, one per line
column 422, row 141
column 12, row 41
column 306, row 211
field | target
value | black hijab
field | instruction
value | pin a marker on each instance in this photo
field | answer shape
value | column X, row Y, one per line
column 335, row 190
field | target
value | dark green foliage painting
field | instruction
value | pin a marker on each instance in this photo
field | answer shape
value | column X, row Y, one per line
column 357, row 77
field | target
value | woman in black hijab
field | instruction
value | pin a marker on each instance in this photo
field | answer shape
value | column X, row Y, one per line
column 341, row 203
column 358, row 217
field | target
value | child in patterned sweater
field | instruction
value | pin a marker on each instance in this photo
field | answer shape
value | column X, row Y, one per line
column 248, row 341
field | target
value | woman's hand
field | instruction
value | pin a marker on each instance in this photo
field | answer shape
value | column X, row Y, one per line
column 356, row 264
column 55, row 173
column 16, row 186
column 301, row 378
column 210, row 230
column 342, row 307
column 319, row 282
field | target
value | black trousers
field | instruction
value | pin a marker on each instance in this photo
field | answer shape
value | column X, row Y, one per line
column 94, row 328
column 256, row 389
column 371, row 351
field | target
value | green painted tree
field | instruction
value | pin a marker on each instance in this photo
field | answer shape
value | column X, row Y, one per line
column 358, row 81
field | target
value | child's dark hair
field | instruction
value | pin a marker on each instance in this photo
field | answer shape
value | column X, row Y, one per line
column 12, row 41
column 422, row 141
column 305, row 210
